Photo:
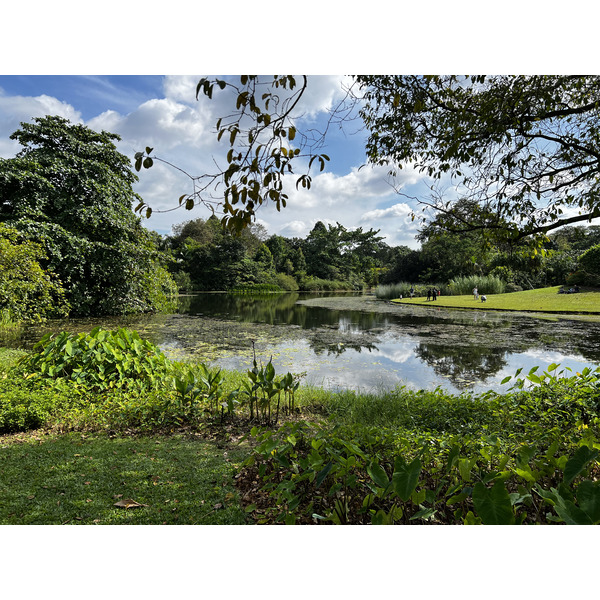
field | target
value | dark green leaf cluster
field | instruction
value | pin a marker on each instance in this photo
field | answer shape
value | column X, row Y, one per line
column 70, row 191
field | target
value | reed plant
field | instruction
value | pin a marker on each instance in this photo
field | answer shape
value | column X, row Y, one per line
column 402, row 289
column 485, row 284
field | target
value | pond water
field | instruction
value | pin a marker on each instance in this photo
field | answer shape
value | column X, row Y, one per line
column 355, row 341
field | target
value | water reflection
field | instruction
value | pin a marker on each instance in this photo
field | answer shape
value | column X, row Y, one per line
column 354, row 341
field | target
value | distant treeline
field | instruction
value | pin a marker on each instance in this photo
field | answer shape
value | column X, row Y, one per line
column 205, row 257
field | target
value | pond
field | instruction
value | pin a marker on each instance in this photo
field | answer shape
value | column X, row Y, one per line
column 356, row 341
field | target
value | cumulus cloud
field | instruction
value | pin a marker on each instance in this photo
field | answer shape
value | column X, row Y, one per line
column 401, row 210
column 15, row 110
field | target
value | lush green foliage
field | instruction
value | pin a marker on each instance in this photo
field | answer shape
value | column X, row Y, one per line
column 115, row 379
column 24, row 407
column 70, row 191
column 27, row 292
column 530, row 456
column 207, row 257
column 589, row 265
column 98, row 360
column 488, row 284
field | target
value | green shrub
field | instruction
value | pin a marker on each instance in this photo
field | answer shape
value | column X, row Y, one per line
column 27, row 291
column 590, row 260
column 286, row 282
column 25, row 407
column 99, row 360
column 589, row 268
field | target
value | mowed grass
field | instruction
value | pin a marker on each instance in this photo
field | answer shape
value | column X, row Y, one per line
column 541, row 300
column 78, row 479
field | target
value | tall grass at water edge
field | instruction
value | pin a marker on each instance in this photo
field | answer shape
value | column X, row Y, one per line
column 459, row 286
column 402, row 290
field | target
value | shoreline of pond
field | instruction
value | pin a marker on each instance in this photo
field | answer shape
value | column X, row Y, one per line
column 377, row 305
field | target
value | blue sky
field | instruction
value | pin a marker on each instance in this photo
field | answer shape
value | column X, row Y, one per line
column 163, row 112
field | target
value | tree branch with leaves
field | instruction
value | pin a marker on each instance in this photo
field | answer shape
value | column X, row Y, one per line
column 264, row 147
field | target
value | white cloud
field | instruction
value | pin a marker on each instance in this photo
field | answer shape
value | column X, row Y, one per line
column 396, row 211
column 15, row 110
column 181, row 88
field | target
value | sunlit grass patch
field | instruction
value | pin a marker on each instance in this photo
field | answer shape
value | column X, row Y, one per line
column 539, row 300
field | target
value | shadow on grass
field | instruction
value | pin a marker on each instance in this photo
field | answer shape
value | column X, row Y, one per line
column 77, row 479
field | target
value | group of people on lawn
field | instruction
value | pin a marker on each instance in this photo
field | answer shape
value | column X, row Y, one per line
column 476, row 295
column 433, row 293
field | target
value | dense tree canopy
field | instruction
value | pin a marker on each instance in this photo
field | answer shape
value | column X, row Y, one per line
column 70, row 190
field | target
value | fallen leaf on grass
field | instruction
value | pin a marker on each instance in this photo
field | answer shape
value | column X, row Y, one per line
column 128, row 503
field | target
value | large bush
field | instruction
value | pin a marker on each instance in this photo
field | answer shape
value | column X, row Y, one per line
column 589, row 268
column 27, row 292
column 70, row 190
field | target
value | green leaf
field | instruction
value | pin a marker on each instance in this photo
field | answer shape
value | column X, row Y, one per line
column 588, row 498
column 323, row 473
column 464, row 468
column 378, row 474
column 576, row 464
column 405, row 477
column 471, row 519
column 424, row 513
column 493, row 505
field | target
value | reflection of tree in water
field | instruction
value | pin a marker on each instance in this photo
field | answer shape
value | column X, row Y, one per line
column 463, row 365
column 320, row 344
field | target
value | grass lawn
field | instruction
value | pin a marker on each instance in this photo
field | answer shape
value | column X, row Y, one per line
column 78, row 479
column 540, row 300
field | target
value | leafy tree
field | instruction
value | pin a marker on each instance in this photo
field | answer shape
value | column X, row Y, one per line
column 71, row 190
column 589, row 267
column 402, row 264
column 280, row 251
column 322, row 251
column 522, row 148
column 27, row 291
column 262, row 143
